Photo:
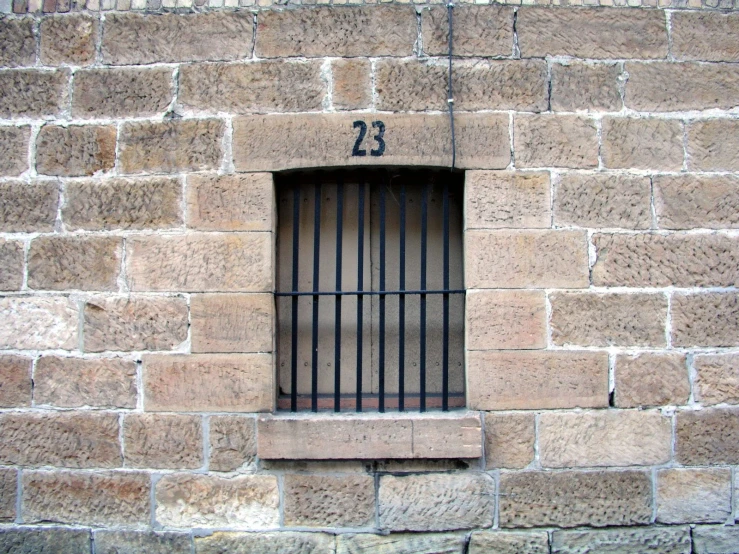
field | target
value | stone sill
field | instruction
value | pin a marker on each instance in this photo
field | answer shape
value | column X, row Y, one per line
column 369, row 436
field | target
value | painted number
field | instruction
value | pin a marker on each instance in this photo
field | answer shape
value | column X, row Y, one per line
column 362, row 126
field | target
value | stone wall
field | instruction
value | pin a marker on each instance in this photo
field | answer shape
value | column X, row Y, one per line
column 601, row 262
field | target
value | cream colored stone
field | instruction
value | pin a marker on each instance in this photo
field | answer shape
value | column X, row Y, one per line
column 555, row 140
column 691, row 201
column 506, row 320
column 505, row 542
column 648, row 143
column 707, row 437
column 15, row 381
column 233, row 442
column 163, row 441
column 329, row 501
column 585, row 86
column 712, row 145
column 718, row 379
column 478, row 31
column 693, row 495
column 352, row 87
column 75, row 151
column 656, row 540
column 651, row 380
column 509, row 440
column 400, row 543
column 28, row 207
column 265, row 543
column 33, row 93
column 708, row 36
column 495, row 199
column 14, row 150
column 47, row 322
column 84, row 263
column 68, row 39
column 710, row 319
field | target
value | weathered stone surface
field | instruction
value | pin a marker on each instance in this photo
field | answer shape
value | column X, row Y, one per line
column 669, row 86
column 536, row 380
column 693, row 495
column 131, row 323
column 651, row 380
column 11, row 264
column 263, row 86
column 84, row 263
column 352, row 86
column 141, row 542
column 14, row 150
column 233, row 442
column 571, row 498
column 32, row 92
column 231, row 202
column 715, row 540
column 495, row 199
column 23, row 318
column 201, row 262
column 657, row 540
column 708, row 437
column 710, row 319
column 265, row 543
column 647, row 143
column 75, row 151
column 171, row 146
column 649, row 260
column 114, row 92
column 712, row 145
column 190, row 500
column 509, row 440
column 602, row 200
column 68, row 39
column 688, row 201
column 45, row 539
column 555, row 140
column 709, row 36
column 77, row 382
column 132, row 39
column 8, row 491
column 208, row 383
column 718, row 379
column 612, row 319
column 15, row 381
column 400, row 543
column 17, row 43
column 65, row 439
column 478, row 31
column 436, row 502
column 403, row 85
column 592, row 33
column 525, row 259
column 506, row 320
column 346, row 32
column 505, row 542
column 604, row 438
column 329, row 501
column 585, row 86
column 321, row 140
column 76, row 497
column 232, row 322
column 163, row 441
column 28, row 207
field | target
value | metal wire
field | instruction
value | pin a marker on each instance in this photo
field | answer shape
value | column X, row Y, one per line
column 450, row 96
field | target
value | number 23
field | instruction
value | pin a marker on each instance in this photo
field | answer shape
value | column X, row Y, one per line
column 362, row 126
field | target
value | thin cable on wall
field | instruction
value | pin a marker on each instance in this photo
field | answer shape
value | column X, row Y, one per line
column 450, row 96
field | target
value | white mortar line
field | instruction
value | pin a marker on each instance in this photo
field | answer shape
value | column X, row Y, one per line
column 652, row 208
column 511, row 136
column 654, row 495
column 19, row 497
column 668, row 26
column 327, row 77
column 227, row 164
column 668, row 321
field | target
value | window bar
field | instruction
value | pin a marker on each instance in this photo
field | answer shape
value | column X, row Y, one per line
column 381, row 398
column 445, row 340
column 337, row 316
column 294, row 345
column 316, row 264
column 424, row 238
column 360, row 297
column 401, row 307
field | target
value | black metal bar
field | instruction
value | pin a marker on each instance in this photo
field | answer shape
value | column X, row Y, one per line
column 360, row 298
column 316, row 265
column 294, row 345
column 445, row 340
column 381, row 397
column 401, row 306
column 424, row 247
column 337, row 313
column 361, row 293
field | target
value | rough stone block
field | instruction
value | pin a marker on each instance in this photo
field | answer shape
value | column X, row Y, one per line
column 710, row 319
column 689, row 201
column 536, row 380
column 75, row 151
column 509, row 440
column 33, row 92
column 707, row 36
column 715, row 539
column 14, row 150
column 718, row 379
column 506, row 542
column 45, row 539
column 15, row 381
column 656, row 540
column 651, row 380
column 693, row 495
column 712, row 145
column 28, row 207
column 265, row 543
column 555, row 140
column 400, row 543
column 352, row 86
column 68, row 39
column 506, row 320
column 8, row 491
column 141, row 542
column 586, row 86
column 22, row 318
column 329, row 501
column 17, row 43
column 708, row 437
column 11, row 264
column 630, row 143
column 479, row 31
column 495, row 199
column 233, row 442
column 232, row 322
column 163, row 441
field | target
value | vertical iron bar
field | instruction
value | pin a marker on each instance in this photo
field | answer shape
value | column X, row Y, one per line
column 401, row 306
column 360, row 298
column 337, row 316
column 316, row 265
column 294, row 344
column 445, row 361
column 381, row 399
column 424, row 245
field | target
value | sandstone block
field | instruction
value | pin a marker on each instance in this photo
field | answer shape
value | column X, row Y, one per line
column 64, row 439
column 15, row 381
column 28, row 207
column 75, row 151
column 45, row 539
column 509, row 440
column 232, row 322
column 352, row 87
column 346, row 32
column 265, row 543
column 708, row 36
column 536, row 380
column 587, row 319
column 630, row 143
column 32, row 92
column 11, row 264
column 209, row 383
column 602, row 200
column 201, row 262
column 585, row 86
column 14, row 150
column 76, row 497
column 651, row 380
column 61, row 263
column 171, row 146
column 505, row 542
column 708, row 437
column 231, row 202
column 8, row 491
column 572, row 499
column 133, row 39
column 264, row 86
column 506, row 320
column 163, row 441
column 478, row 31
column 77, row 382
column 715, row 539
column 329, row 501
column 604, row 438
column 321, row 140
column 526, row 259
column 495, row 199
column 710, row 319
column 693, row 495
column 648, row 260
column 22, row 318
column 555, row 140
column 233, row 442
column 17, row 43
column 143, row 323
column 658, row 540
column 114, row 92
column 688, row 201
column 140, row 542
column 712, row 145
column 68, row 39
column 400, row 543
column 436, row 502
column 718, row 379
column 190, row 500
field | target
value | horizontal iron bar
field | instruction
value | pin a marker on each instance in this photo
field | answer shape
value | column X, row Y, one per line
column 369, row 292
